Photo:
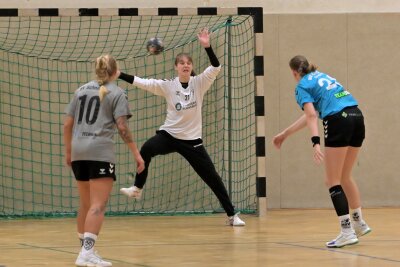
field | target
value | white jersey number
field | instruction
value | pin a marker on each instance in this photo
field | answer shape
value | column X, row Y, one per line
column 328, row 83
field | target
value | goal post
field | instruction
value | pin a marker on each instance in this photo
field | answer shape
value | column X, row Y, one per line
column 45, row 54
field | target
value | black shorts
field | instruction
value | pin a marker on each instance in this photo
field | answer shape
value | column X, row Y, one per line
column 345, row 128
column 84, row 170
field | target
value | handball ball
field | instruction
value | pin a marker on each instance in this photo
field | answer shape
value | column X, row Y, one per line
column 155, row 46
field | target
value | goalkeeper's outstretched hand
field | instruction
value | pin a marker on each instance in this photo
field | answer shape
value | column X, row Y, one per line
column 204, row 37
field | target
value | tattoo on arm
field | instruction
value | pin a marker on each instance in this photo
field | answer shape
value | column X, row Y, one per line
column 123, row 129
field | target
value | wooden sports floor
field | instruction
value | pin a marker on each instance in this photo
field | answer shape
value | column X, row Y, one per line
column 282, row 238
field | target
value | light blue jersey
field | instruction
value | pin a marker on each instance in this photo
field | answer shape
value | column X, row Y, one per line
column 327, row 95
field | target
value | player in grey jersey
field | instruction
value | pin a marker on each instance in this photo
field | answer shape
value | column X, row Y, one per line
column 182, row 129
column 96, row 109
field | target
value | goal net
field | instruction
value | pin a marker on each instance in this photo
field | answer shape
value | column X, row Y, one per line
column 43, row 60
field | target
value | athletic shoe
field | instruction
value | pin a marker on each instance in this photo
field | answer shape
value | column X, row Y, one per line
column 81, row 260
column 361, row 228
column 343, row 239
column 91, row 260
column 235, row 220
column 132, row 191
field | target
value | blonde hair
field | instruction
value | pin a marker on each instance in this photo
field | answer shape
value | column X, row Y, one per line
column 301, row 65
column 106, row 67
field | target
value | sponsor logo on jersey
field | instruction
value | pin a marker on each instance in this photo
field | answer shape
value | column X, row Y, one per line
column 178, row 106
column 88, row 134
column 190, row 105
column 341, row 94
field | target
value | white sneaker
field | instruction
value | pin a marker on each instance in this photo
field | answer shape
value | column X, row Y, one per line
column 132, row 191
column 343, row 239
column 80, row 261
column 235, row 220
column 91, row 260
column 361, row 228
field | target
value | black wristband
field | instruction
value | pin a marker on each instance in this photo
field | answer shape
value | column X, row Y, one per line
column 315, row 140
column 126, row 77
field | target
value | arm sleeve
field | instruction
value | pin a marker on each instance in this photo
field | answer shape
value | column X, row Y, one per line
column 126, row 77
column 213, row 58
column 151, row 85
column 206, row 78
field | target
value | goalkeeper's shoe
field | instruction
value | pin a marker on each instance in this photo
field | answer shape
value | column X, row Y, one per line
column 133, row 192
column 235, row 220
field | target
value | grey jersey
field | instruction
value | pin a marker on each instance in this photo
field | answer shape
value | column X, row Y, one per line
column 94, row 121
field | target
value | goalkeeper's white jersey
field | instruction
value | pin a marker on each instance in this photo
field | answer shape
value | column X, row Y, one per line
column 184, row 119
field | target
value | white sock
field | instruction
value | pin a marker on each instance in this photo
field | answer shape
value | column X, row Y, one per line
column 88, row 243
column 345, row 223
column 356, row 215
column 81, row 237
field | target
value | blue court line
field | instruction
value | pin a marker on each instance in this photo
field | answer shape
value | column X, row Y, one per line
column 69, row 252
column 339, row 250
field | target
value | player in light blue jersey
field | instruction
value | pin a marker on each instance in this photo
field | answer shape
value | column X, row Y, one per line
column 328, row 95
column 320, row 95
column 96, row 109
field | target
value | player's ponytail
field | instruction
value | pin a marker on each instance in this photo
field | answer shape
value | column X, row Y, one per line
column 311, row 68
column 106, row 67
column 102, row 92
column 301, row 65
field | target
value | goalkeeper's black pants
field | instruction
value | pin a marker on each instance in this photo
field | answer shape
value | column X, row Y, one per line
column 195, row 153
